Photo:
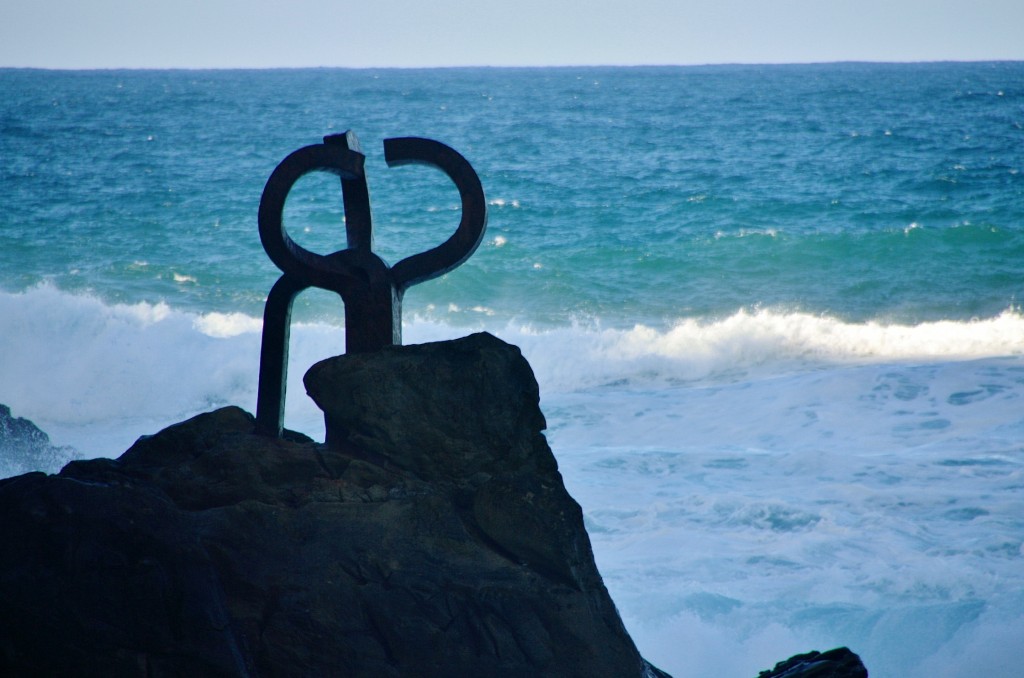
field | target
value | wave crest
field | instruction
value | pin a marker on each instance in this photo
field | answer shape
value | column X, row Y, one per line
column 753, row 342
column 75, row 364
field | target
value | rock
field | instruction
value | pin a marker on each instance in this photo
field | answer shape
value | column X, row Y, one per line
column 837, row 663
column 431, row 536
column 24, row 447
column 476, row 407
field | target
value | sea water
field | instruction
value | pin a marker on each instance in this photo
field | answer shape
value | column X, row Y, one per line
column 773, row 311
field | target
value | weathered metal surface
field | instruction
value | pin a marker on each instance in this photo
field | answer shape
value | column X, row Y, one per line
column 370, row 289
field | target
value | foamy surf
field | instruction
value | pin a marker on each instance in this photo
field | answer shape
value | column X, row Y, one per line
column 83, row 365
column 873, row 505
column 754, row 485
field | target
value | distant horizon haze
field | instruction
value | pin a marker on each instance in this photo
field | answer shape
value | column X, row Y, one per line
column 229, row 34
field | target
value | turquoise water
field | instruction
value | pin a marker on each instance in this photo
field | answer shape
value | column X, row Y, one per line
column 646, row 194
column 774, row 313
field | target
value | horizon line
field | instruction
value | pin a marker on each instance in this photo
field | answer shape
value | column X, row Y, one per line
column 838, row 62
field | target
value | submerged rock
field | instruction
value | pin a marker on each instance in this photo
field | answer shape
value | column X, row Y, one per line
column 431, row 536
column 837, row 663
column 25, row 447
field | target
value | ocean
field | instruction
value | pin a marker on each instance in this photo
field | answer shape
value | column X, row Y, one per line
column 774, row 312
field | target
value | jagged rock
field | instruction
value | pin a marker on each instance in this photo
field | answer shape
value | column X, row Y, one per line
column 837, row 663
column 24, row 447
column 432, row 536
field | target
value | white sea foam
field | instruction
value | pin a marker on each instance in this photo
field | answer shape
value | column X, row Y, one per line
column 754, row 486
column 72, row 361
column 225, row 325
column 749, row 344
column 871, row 505
column 95, row 376
column 747, row 233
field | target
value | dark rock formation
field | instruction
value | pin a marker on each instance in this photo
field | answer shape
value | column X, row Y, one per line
column 837, row 663
column 432, row 536
column 24, row 447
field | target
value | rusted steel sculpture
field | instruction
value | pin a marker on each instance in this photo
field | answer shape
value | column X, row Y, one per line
column 370, row 289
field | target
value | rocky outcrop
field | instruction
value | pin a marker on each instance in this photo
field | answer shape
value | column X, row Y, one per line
column 24, row 447
column 837, row 663
column 430, row 536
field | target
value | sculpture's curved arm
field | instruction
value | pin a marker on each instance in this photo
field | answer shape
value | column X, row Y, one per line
column 446, row 256
column 294, row 260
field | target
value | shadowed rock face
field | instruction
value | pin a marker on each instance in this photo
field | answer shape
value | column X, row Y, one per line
column 837, row 663
column 431, row 536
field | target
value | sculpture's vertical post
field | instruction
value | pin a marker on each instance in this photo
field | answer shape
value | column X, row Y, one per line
column 273, row 383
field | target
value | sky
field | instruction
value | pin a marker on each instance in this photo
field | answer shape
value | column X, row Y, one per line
column 428, row 33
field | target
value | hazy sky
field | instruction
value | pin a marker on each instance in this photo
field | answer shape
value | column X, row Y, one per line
column 267, row 33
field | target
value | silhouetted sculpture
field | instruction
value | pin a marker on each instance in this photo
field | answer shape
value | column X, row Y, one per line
column 370, row 289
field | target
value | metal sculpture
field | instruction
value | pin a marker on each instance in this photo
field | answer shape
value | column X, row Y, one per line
column 370, row 289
